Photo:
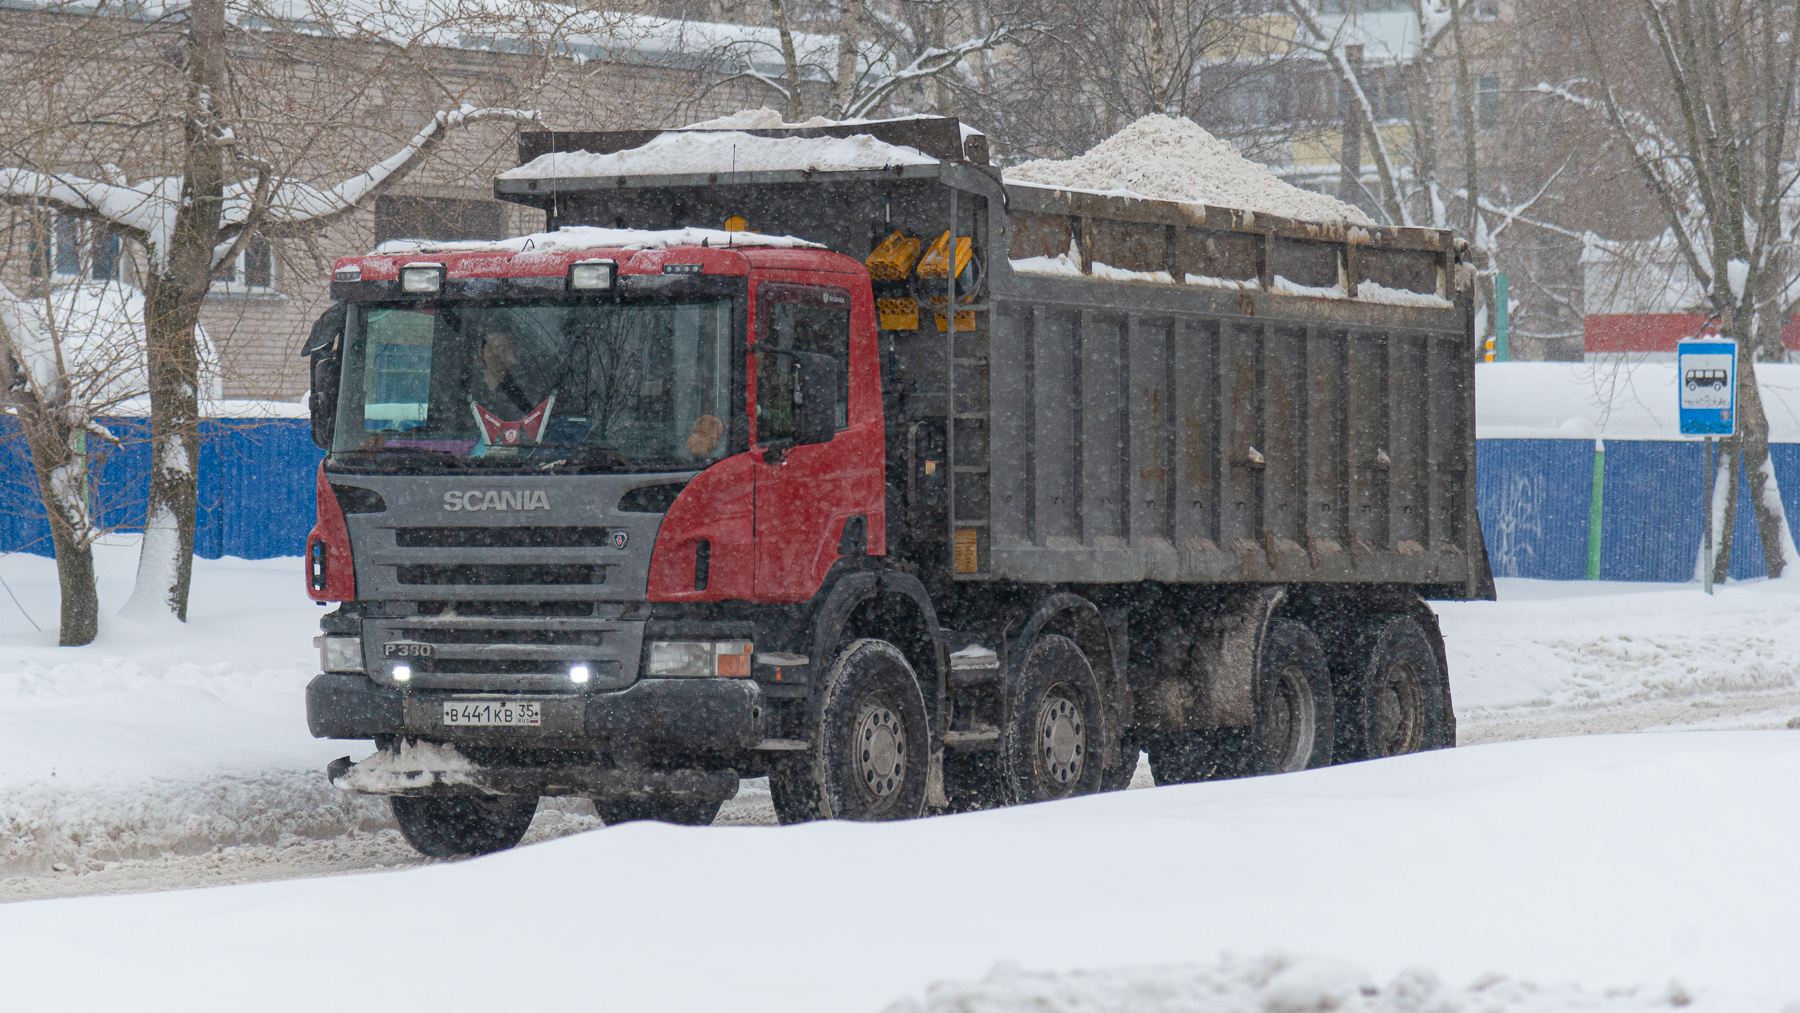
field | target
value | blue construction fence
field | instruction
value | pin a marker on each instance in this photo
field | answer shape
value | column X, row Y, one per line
column 256, row 486
column 256, row 499
column 1535, row 498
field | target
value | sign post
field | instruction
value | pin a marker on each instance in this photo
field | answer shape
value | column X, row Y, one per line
column 1706, row 385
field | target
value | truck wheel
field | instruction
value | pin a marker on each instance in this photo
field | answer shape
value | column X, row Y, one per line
column 1398, row 704
column 461, row 825
column 870, row 752
column 1050, row 742
column 1294, row 714
column 687, row 814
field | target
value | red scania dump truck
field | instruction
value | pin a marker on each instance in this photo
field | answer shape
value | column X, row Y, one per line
column 963, row 499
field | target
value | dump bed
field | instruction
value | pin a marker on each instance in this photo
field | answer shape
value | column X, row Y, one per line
column 1130, row 389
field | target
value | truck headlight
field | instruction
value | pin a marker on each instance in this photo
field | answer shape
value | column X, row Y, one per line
column 340, row 654
column 702, row 658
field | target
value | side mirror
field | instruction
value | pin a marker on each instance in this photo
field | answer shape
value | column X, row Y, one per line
column 325, row 347
column 815, row 397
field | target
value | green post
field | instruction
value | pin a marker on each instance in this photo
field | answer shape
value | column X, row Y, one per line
column 1594, row 510
column 1500, row 318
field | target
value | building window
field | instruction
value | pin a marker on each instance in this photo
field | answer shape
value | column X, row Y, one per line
column 252, row 270
column 1487, row 104
column 63, row 247
column 441, row 219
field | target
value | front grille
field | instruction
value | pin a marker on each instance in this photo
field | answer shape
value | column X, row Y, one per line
column 504, row 653
column 500, row 573
column 516, row 609
column 501, row 538
column 466, row 635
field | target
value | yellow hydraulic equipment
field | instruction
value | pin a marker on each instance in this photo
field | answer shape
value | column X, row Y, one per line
column 935, row 259
column 933, row 267
column 893, row 260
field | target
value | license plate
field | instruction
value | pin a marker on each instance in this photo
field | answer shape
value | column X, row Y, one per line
column 502, row 713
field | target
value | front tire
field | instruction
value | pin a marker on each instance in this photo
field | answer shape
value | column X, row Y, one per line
column 1050, row 742
column 870, row 750
column 461, row 825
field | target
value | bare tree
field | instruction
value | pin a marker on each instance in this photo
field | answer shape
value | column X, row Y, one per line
column 234, row 111
column 1700, row 97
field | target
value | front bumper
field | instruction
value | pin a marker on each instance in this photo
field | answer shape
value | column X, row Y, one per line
column 655, row 722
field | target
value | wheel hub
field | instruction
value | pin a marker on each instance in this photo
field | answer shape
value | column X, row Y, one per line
column 1062, row 740
column 880, row 750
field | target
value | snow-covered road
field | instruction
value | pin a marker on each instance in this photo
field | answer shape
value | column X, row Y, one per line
column 162, row 757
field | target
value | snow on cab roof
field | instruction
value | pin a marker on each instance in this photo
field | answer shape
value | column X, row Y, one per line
column 702, row 151
column 576, row 238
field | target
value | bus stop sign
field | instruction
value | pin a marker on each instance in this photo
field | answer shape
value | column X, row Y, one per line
column 1705, row 375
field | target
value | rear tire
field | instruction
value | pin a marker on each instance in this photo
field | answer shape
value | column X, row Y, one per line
column 1295, row 724
column 1052, row 730
column 870, row 749
column 687, row 814
column 1397, row 704
column 461, row 825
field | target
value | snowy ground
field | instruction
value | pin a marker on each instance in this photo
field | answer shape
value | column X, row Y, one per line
column 1611, row 872
column 169, row 757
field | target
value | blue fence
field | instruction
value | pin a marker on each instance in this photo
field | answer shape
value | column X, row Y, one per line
column 1535, row 495
column 256, row 487
column 256, row 499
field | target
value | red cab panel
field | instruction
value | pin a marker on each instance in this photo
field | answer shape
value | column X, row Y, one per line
column 330, row 576
column 707, row 537
column 806, row 495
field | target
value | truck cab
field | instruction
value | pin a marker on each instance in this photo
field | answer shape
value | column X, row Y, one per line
column 573, row 496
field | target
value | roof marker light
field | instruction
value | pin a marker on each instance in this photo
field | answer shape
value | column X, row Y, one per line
column 592, row 275
column 422, row 279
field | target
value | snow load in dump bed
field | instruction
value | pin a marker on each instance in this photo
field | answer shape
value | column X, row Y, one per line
column 578, row 238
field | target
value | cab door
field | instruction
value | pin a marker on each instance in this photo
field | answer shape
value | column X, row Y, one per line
column 819, row 499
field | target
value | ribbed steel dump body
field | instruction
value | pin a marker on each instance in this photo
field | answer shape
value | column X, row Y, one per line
column 1163, row 406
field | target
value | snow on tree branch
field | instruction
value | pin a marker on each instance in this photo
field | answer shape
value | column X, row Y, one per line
column 928, row 64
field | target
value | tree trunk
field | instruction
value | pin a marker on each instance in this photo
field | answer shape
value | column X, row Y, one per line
column 178, row 281
column 61, row 475
column 848, row 42
column 1765, row 501
column 796, row 103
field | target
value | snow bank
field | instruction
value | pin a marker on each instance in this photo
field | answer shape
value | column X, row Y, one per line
column 1565, row 657
column 160, row 737
column 1172, row 158
column 575, row 238
column 724, row 151
column 1611, row 400
column 1601, row 867
column 1276, row 983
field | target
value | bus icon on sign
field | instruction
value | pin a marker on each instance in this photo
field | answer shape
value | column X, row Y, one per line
column 1717, row 379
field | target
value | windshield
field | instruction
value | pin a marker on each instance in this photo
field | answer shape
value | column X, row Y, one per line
column 620, row 386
